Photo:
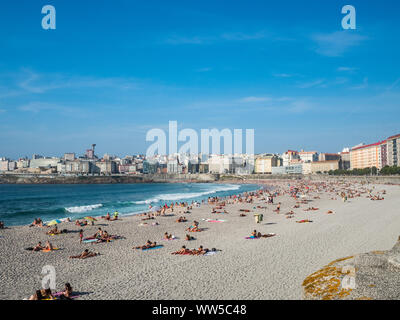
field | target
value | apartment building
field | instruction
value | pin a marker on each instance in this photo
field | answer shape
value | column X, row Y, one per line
column 366, row 156
column 393, row 150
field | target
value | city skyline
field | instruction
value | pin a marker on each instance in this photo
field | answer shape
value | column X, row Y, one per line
column 112, row 71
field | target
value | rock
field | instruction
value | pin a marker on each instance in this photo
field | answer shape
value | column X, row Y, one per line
column 367, row 276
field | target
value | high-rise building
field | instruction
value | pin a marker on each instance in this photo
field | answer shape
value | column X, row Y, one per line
column 393, row 150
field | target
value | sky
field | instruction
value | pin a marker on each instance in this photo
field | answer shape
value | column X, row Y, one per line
column 112, row 70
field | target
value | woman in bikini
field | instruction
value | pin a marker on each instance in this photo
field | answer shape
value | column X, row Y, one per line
column 36, row 296
column 67, row 293
column 85, row 254
column 48, row 246
column 38, row 247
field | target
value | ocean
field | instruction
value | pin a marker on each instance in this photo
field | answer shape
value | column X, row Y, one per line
column 21, row 204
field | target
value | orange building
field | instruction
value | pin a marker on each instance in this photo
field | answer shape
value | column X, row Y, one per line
column 367, row 156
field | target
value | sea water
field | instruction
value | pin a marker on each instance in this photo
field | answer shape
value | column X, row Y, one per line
column 20, row 204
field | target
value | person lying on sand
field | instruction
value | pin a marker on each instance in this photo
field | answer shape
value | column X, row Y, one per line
column 304, row 221
column 194, row 252
column 200, row 250
column 148, row 245
column 256, row 234
column 149, row 217
column 189, row 237
column 182, row 250
column 193, row 229
column 311, row 209
column 67, row 293
column 242, row 215
column 85, row 254
column 81, row 223
column 167, row 236
column 181, row 219
column 53, row 231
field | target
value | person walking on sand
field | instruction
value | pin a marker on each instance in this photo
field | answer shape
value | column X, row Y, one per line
column 80, row 236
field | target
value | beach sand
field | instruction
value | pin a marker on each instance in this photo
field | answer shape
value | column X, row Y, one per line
column 266, row 268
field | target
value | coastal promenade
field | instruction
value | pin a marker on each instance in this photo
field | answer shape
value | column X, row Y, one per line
column 172, row 178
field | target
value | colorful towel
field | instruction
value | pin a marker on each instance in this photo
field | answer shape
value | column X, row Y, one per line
column 90, row 240
column 48, row 250
column 156, row 247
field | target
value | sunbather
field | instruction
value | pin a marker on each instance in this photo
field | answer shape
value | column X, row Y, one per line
column 67, row 293
column 85, row 254
column 36, row 296
column 182, row 250
column 189, row 237
column 48, row 246
column 148, row 245
column 181, row 219
column 38, row 247
column 167, row 236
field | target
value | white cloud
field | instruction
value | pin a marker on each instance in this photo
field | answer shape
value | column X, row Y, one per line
column 255, row 99
column 344, row 69
column 306, row 85
column 337, row 43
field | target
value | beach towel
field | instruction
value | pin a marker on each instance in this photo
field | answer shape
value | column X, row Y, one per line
column 156, row 247
column 57, row 294
column 268, row 235
column 89, row 240
column 210, row 253
column 48, row 250
column 216, row 220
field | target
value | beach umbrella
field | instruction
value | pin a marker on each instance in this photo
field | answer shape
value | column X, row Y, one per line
column 90, row 219
column 53, row 222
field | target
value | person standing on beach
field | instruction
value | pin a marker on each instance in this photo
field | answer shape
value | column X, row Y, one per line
column 81, row 236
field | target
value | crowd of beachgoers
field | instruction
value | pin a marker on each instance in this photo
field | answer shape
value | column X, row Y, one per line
column 281, row 199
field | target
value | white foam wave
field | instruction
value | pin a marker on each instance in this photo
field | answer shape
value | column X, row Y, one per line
column 181, row 196
column 80, row 209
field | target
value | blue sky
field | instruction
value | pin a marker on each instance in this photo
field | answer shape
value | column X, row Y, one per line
column 112, row 70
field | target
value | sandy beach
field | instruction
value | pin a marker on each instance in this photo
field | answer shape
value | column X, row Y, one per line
column 266, row 268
